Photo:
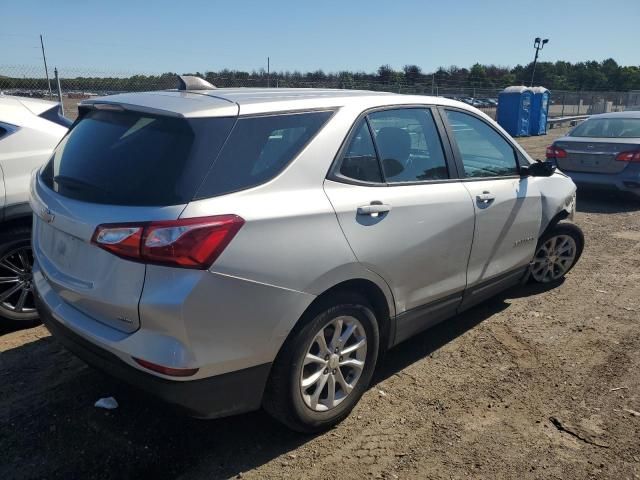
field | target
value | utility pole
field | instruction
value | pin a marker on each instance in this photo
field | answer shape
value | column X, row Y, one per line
column 433, row 83
column 55, row 72
column 538, row 45
column 268, row 74
column 46, row 71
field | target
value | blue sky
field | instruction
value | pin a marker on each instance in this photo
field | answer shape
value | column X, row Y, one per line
column 159, row 36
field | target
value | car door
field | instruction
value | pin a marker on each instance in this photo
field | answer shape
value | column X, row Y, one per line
column 403, row 212
column 508, row 207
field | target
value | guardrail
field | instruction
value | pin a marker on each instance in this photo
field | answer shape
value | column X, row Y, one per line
column 572, row 120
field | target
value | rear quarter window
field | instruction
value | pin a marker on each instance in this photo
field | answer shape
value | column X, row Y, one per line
column 259, row 148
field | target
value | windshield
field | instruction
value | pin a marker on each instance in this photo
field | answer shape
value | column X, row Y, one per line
column 608, row 128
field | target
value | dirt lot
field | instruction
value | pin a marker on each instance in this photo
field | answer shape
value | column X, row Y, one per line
column 537, row 383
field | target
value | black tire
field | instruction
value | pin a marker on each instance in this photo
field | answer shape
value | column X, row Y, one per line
column 10, row 240
column 283, row 397
column 562, row 228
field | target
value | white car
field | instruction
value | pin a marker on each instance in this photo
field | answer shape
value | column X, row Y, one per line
column 29, row 131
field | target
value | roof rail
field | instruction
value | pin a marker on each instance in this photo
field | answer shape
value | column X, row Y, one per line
column 189, row 82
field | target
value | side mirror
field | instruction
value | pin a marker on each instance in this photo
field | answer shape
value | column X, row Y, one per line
column 538, row 169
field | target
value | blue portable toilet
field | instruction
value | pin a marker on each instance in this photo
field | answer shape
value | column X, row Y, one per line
column 514, row 110
column 539, row 111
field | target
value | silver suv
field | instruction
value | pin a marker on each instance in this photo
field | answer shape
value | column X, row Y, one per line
column 227, row 249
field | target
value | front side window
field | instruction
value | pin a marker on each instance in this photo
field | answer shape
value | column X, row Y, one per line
column 484, row 152
column 409, row 145
column 360, row 161
column 258, row 149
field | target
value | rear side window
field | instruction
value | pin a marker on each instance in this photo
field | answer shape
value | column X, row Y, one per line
column 131, row 158
column 258, row 149
column 360, row 161
column 409, row 145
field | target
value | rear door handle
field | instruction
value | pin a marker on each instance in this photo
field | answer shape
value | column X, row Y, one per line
column 486, row 197
column 374, row 208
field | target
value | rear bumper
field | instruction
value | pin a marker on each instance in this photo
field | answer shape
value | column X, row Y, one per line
column 626, row 181
column 212, row 397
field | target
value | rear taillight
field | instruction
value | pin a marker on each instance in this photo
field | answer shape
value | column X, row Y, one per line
column 188, row 243
column 633, row 156
column 555, row 152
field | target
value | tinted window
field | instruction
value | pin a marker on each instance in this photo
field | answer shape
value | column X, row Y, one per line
column 409, row 145
column 484, row 152
column 360, row 161
column 608, row 128
column 129, row 158
column 258, row 149
column 6, row 129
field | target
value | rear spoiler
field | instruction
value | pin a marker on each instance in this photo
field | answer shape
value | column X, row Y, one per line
column 121, row 107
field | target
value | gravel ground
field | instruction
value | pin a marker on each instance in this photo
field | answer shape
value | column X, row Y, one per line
column 536, row 383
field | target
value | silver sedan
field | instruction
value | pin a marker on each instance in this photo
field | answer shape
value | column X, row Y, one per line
column 602, row 152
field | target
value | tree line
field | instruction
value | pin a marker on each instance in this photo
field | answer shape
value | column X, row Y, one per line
column 607, row 75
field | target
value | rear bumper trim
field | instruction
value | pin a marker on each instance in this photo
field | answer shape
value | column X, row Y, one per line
column 219, row 396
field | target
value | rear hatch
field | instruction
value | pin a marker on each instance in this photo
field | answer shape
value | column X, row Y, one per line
column 593, row 155
column 115, row 166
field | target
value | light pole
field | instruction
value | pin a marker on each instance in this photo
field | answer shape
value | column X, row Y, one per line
column 538, row 44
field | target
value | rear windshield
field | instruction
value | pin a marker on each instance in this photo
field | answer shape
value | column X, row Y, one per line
column 137, row 159
column 608, row 128
column 259, row 148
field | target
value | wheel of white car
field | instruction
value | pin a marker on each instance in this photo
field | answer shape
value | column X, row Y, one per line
column 558, row 250
column 325, row 366
column 16, row 286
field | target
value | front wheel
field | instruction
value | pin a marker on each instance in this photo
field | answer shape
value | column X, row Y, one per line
column 557, row 252
column 325, row 366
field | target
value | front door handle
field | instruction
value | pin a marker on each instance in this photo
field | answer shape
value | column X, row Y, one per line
column 486, row 197
column 374, row 208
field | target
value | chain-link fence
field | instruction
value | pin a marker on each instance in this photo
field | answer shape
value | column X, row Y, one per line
column 78, row 84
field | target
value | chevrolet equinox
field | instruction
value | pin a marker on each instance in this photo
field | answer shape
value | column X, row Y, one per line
column 232, row 249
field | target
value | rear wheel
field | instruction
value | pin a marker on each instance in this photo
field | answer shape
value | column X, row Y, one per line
column 557, row 252
column 16, row 283
column 325, row 366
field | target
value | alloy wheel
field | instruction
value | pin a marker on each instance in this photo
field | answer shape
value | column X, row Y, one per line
column 333, row 363
column 16, row 282
column 553, row 258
